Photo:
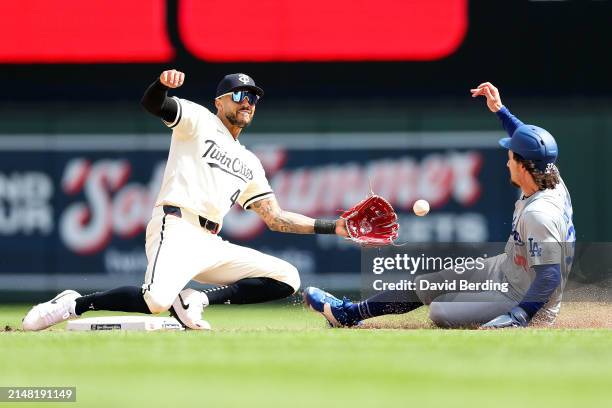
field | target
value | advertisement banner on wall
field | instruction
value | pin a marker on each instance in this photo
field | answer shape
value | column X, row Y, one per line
column 77, row 207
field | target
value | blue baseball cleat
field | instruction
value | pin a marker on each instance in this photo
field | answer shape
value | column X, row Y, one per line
column 336, row 311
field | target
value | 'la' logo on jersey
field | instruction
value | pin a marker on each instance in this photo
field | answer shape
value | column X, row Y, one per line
column 534, row 248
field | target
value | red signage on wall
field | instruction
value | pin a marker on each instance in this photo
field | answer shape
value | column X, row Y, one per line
column 116, row 31
column 322, row 30
column 84, row 31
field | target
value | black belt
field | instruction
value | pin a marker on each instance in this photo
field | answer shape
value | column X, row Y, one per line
column 204, row 223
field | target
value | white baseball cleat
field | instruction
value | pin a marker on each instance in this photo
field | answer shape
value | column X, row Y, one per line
column 57, row 310
column 188, row 307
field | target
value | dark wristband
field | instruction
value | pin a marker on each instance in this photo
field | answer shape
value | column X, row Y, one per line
column 159, row 86
column 324, row 226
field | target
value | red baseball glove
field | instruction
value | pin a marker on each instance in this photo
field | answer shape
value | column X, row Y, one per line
column 372, row 222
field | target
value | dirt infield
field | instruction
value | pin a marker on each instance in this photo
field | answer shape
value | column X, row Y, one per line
column 584, row 307
column 584, row 315
column 573, row 315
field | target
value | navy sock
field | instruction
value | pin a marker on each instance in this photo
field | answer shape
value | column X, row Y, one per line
column 389, row 302
column 123, row 299
column 249, row 290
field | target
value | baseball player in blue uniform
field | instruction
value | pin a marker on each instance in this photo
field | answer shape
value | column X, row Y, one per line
column 535, row 264
column 207, row 172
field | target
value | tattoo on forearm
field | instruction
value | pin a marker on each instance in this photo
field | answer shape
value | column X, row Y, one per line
column 282, row 221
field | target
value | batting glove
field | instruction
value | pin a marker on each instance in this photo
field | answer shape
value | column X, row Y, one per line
column 517, row 317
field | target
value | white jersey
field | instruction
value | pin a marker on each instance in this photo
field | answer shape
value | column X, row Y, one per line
column 207, row 170
column 542, row 234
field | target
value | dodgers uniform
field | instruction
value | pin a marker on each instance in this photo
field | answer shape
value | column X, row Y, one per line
column 542, row 233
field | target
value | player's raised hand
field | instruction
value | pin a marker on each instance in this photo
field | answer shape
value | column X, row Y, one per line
column 490, row 92
column 172, row 78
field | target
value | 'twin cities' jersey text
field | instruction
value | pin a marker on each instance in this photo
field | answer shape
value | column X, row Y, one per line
column 207, row 170
column 220, row 159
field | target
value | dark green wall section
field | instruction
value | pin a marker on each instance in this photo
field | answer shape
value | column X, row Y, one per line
column 582, row 127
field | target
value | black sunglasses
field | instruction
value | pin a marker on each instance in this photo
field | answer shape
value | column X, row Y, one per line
column 238, row 96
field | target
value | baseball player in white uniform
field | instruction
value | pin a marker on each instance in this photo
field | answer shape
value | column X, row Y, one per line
column 207, row 172
column 535, row 264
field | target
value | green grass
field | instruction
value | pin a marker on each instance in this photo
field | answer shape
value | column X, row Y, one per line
column 285, row 356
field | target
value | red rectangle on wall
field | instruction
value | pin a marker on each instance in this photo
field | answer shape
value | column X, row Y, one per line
column 84, row 31
column 322, row 30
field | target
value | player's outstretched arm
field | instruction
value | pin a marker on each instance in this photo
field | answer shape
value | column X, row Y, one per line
column 155, row 99
column 494, row 103
column 280, row 220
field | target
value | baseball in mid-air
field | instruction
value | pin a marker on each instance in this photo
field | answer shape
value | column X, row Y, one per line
column 421, row 207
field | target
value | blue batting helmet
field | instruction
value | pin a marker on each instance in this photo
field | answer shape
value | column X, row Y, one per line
column 532, row 143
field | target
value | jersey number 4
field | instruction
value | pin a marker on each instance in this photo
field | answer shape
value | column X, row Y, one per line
column 234, row 197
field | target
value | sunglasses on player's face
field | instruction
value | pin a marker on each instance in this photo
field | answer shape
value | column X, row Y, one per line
column 238, row 96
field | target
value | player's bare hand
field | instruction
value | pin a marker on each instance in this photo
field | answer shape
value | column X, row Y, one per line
column 490, row 92
column 172, row 78
column 341, row 228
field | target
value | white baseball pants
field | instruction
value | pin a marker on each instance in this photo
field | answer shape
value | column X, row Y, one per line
column 180, row 250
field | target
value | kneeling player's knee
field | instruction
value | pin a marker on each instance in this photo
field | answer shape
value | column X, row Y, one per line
column 449, row 315
column 157, row 304
column 438, row 313
column 289, row 275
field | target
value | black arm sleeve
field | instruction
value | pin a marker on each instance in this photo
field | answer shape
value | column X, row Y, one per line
column 156, row 101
